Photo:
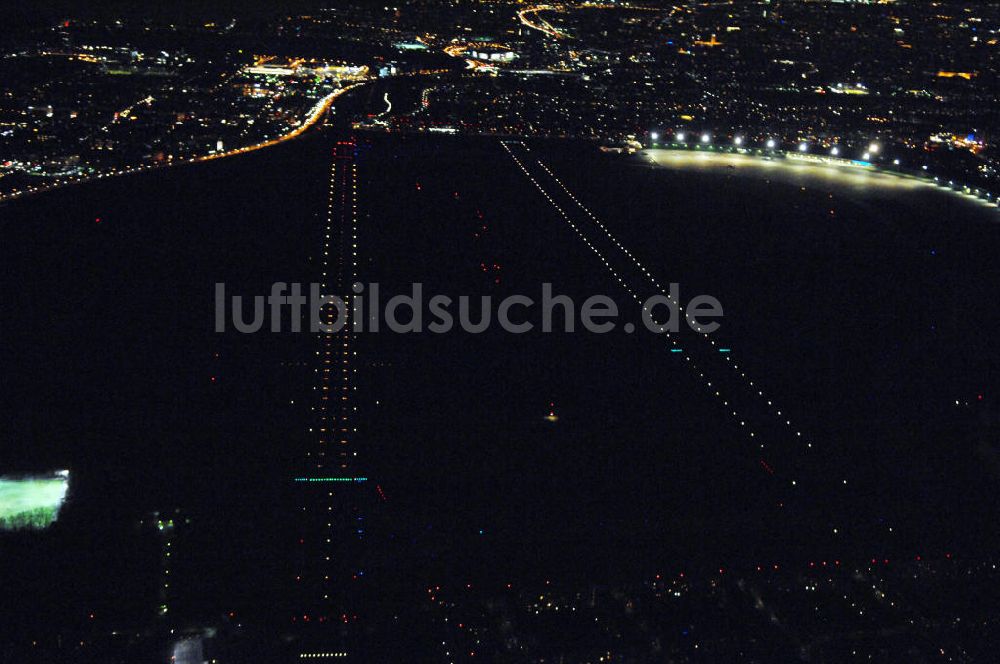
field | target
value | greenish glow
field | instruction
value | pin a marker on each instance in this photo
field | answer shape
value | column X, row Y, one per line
column 31, row 502
column 331, row 479
column 676, row 350
column 725, row 350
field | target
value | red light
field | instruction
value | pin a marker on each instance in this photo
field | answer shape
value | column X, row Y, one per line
column 97, row 220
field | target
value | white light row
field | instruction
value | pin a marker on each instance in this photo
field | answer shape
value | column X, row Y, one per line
column 835, row 151
column 652, row 280
column 712, row 389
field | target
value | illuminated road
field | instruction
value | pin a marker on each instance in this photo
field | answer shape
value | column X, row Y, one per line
column 314, row 116
column 320, row 109
column 538, row 23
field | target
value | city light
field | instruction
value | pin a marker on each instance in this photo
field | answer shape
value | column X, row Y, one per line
column 873, row 148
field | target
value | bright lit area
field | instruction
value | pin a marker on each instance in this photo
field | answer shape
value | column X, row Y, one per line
column 32, row 502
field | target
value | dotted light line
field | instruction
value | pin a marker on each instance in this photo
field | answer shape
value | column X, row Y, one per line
column 754, row 388
column 712, row 389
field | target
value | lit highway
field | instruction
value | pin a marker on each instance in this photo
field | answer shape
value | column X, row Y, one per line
column 316, row 114
column 530, row 18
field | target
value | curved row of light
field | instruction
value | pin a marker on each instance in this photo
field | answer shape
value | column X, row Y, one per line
column 835, row 150
column 754, row 388
column 712, row 389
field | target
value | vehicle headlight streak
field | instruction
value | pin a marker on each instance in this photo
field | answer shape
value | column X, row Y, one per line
column 654, row 282
column 312, row 117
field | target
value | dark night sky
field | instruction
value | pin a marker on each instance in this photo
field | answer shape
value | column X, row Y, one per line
column 21, row 13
